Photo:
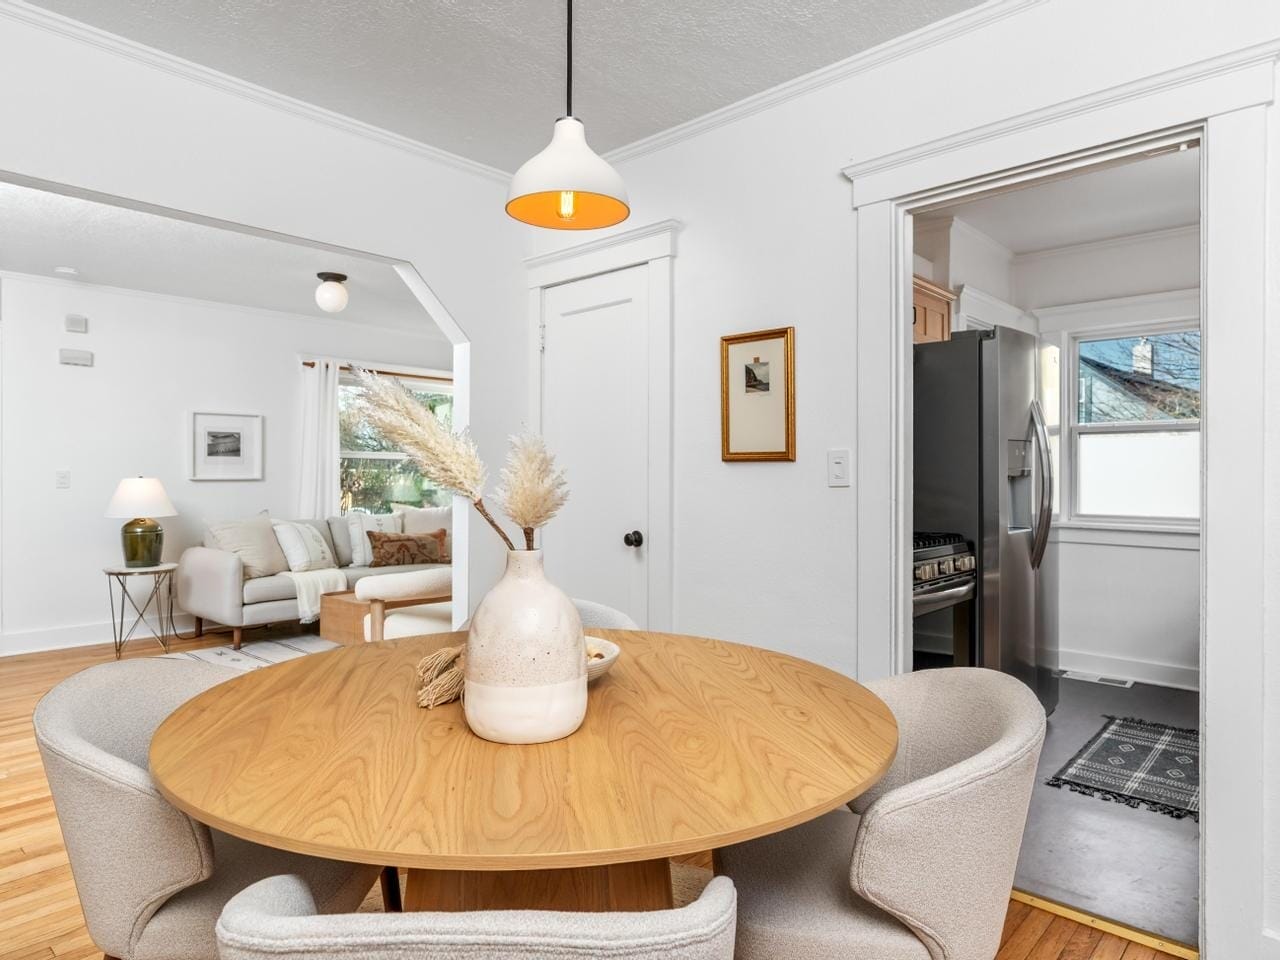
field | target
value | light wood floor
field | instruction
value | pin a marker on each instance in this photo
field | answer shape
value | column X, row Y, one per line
column 40, row 914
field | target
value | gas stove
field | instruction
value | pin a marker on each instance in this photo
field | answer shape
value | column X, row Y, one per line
column 944, row 570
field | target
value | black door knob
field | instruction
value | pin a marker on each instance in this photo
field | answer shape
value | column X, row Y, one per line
column 633, row 539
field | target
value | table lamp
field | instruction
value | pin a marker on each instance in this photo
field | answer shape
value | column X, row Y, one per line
column 138, row 500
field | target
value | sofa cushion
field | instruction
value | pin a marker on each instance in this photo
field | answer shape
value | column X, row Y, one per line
column 262, row 589
column 253, row 541
column 428, row 520
column 402, row 549
column 359, row 524
column 341, row 537
column 304, row 546
column 280, row 587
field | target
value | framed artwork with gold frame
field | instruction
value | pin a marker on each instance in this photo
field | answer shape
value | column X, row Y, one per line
column 758, row 395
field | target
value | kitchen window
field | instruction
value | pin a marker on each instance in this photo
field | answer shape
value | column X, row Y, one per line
column 1134, row 427
column 374, row 475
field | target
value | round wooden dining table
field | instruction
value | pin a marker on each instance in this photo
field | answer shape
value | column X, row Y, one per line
column 689, row 745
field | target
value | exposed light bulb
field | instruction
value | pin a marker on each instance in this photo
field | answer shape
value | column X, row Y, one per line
column 566, row 205
column 331, row 295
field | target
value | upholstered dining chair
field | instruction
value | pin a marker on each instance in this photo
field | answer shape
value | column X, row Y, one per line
column 601, row 617
column 922, row 867
column 151, row 880
column 276, row 919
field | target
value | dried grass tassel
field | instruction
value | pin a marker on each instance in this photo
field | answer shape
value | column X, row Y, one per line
column 441, row 677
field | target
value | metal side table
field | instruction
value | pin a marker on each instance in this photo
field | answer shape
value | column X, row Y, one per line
column 160, row 598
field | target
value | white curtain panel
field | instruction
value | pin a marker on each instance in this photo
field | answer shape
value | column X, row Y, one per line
column 319, row 493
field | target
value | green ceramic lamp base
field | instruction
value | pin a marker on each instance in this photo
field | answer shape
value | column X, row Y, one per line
column 143, row 542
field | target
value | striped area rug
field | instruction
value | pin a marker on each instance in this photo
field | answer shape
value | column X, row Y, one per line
column 260, row 653
column 1138, row 763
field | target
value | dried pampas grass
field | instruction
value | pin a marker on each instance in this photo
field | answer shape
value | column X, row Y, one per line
column 448, row 459
column 533, row 490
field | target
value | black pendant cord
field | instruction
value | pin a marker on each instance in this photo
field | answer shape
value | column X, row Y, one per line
column 568, row 70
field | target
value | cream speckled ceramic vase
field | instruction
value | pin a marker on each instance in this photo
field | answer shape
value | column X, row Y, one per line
column 526, row 666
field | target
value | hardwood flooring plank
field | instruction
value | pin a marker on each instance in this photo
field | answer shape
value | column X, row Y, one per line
column 1026, row 936
column 1054, row 940
column 1016, row 913
column 1138, row 951
column 1082, row 944
column 1110, row 947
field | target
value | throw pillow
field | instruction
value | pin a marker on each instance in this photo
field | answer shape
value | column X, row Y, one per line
column 303, row 546
column 254, row 542
column 428, row 520
column 359, row 524
column 399, row 549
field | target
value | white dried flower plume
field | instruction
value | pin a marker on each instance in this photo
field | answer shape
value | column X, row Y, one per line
column 532, row 490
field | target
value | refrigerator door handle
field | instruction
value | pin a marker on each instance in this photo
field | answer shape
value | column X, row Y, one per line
column 1040, row 539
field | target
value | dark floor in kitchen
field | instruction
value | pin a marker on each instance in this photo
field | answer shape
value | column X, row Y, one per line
column 1134, row 866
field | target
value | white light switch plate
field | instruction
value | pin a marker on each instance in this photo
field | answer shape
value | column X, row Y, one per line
column 838, row 468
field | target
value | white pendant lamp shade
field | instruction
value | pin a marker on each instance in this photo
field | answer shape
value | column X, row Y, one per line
column 140, row 497
column 568, row 186
column 331, row 295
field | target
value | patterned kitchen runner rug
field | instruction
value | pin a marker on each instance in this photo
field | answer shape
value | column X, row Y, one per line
column 259, row 653
column 1138, row 763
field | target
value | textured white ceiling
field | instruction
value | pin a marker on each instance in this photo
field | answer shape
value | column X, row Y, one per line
column 1151, row 194
column 142, row 251
column 485, row 78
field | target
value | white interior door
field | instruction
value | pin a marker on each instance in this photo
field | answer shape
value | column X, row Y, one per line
column 595, row 403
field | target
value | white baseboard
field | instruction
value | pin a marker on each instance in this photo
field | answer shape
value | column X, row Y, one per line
column 1140, row 671
column 78, row 635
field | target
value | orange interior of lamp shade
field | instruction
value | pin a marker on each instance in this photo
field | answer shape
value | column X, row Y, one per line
column 590, row 210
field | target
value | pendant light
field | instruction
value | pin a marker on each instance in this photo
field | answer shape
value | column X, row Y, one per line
column 567, row 186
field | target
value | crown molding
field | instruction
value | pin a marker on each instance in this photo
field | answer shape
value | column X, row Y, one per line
column 54, row 23
column 935, row 33
column 1129, row 239
column 617, row 250
column 1225, row 64
column 1143, row 309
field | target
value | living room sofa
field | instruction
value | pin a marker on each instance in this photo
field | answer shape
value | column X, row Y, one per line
column 212, row 585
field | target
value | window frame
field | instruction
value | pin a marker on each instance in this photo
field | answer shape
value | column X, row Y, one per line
column 435, row 378
column 1074, row 429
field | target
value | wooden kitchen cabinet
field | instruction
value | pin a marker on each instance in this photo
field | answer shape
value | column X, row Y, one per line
column 930, row 311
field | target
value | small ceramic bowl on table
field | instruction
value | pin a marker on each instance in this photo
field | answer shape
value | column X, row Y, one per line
column 601, row 654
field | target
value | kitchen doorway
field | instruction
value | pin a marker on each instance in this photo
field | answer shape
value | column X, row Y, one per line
column 1057, row 503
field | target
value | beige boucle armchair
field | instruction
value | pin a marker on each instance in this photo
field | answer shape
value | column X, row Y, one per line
column 921, row 869
column 151, row 880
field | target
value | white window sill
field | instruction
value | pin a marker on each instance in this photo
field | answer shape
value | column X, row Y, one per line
column 1164, row 536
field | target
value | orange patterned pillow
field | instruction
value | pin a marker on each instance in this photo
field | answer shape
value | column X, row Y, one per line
column 399, row 549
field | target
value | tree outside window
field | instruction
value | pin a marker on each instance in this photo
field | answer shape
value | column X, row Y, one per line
column 375, row 476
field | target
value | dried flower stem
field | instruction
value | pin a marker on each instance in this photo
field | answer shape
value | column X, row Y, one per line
column 478, row 503
column 528, row 538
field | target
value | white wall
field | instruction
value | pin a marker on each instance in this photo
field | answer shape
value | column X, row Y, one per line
column 769, row 240
column 1129, row 600
column 156, row 358
column 107, row 121
column 1129, row 604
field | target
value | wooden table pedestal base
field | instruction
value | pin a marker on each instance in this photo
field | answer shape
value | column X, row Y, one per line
column 645, row 885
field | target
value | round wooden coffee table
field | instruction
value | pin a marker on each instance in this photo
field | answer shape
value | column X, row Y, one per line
column 689, row 745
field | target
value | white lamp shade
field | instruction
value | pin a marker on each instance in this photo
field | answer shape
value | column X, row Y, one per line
column 331, row 296
column 567, row 186
column 140, row 497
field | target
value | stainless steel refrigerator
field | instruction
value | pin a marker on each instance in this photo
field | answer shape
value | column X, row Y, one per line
column 983, row 469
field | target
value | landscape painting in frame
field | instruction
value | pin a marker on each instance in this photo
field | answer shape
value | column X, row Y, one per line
column 758, row 395
column 226, row 446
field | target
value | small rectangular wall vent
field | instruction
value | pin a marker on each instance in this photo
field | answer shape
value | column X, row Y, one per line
column 1094, row 678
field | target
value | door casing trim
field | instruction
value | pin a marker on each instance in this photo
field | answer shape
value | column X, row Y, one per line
column 653, row 246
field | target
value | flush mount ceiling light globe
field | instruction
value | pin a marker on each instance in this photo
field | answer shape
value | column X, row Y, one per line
column 331, row 295
column 568, row 186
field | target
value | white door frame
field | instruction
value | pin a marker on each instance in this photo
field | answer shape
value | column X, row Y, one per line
column 653, row 246
column 1227, row 101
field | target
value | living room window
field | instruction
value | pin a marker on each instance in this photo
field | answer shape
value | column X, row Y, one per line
column 375, row 475
column 1134, row 426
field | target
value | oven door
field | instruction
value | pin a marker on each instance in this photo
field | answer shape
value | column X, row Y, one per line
column 940, row 595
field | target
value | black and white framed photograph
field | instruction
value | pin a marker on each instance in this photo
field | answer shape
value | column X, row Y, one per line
column 226, row 446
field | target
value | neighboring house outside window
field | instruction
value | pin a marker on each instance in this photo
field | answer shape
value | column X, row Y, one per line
column 1135, row 427
column 375, row 476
